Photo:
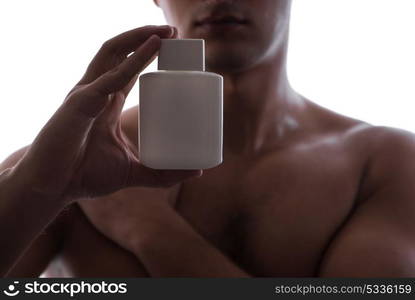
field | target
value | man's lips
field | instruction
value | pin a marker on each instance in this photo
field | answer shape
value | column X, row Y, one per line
column 224, row 20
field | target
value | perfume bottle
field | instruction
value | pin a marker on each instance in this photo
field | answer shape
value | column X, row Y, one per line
column 181, row 110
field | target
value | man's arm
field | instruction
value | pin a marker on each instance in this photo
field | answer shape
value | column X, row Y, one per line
column 148, row 226
column 379, row 238
column 171, row 247
column 43, row 248
column 80, row 151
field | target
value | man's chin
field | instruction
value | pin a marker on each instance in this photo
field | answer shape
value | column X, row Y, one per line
column 226, row 61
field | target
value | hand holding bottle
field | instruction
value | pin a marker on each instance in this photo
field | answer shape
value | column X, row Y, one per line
column 81, row 151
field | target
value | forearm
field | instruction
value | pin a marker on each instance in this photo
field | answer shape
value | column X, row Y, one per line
column 174, row 249
column 23, row 216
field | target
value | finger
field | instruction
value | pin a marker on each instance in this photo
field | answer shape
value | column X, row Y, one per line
column 129, row 86
column 116, row 49
column 127, row 42
column 141, row 175
column 175, row 33
column 117, row 106
column 92, row 99
column 119, row 77
column 111, row 113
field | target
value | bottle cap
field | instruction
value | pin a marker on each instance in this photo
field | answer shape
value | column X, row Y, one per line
column 182, row 55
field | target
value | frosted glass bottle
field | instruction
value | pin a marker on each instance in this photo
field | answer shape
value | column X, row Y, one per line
column 181, row 110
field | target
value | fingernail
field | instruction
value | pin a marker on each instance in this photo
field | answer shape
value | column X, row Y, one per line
column 175, row 32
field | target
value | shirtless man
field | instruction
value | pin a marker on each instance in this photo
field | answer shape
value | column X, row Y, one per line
column 302, row 191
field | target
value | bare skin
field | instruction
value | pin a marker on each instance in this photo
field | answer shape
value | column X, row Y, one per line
column 302, row 191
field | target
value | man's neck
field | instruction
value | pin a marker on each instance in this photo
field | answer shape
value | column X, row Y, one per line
column 260, row 108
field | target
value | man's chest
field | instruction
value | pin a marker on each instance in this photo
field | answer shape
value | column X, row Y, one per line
column 271, row 217
column 274, row 219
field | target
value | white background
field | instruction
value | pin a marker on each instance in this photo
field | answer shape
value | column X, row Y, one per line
column 355, row 57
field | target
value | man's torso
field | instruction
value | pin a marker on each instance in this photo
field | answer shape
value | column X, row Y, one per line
column 273, row 214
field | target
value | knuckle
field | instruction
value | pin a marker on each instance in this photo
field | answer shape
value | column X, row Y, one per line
column 76, row 96
column 83, row 94
column 85, row 102
column 120, row 74
column 98, row 90
column 72, row 91
column 108, row 47
column 124, row 76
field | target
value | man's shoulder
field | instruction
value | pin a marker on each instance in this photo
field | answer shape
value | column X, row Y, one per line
column 382, row 155
column 362, row 136
column 381, row 141
column 388, row 155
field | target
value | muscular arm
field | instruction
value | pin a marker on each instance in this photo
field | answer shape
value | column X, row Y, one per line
column 143, row 221
column 44, row 246
column 170, row 247
column 379, row 238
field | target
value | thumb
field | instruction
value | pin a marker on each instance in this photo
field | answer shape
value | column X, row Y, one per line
column 141, row 175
